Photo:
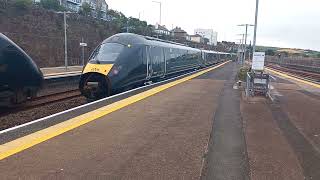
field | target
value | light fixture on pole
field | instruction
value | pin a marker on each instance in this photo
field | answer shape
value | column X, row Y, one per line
column 160, row 4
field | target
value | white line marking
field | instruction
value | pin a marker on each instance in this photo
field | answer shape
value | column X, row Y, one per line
column 274, row 78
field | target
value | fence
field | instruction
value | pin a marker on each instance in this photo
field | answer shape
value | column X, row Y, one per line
column 306, row 64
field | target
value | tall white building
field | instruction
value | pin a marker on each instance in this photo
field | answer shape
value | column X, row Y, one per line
column 208, row 33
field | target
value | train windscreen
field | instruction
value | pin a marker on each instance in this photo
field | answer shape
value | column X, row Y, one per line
column 107, row 52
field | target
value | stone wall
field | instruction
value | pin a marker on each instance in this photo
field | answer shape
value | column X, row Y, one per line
column 41, row 34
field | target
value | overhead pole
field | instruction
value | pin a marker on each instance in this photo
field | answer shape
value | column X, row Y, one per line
column 65, row 41
column 242, row 48
column 245, row 40
column 160, row 4
column 65, row 37
column 255, row 27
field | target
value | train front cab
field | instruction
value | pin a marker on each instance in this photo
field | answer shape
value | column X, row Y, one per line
column 20, row 78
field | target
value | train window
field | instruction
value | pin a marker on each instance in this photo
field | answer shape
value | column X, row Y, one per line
column 156, row 55
column 107, row 52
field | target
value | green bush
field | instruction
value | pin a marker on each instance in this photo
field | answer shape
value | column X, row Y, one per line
column 22, row 4
column 85, row 9
column 242, row 74
column 51, row 4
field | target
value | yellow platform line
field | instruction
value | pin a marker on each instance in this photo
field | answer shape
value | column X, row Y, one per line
column 293, row 78
column 35, row 138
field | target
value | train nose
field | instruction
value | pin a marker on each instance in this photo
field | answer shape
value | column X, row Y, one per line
column 94, row 86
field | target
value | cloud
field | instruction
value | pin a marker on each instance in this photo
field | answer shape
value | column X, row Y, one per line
column 291, row 23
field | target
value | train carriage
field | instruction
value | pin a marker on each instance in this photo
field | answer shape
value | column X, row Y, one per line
column 20, row 78
column 126, row 60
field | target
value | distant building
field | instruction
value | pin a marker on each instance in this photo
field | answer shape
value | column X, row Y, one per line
column 75, row 5
column 179, row 33
column 96, row 6
column 161, row 30
column 197, row 38
column 209, row 34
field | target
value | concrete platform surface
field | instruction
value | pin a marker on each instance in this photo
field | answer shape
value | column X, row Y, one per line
column 164, row 136
column 54, row 71
column 203, row 128
column 282, row 132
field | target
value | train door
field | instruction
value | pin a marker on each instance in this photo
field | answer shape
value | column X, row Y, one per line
column 149, row 63
column 157, row 60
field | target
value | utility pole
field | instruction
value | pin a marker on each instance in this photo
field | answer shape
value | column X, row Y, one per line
column 127, row 25
column 65, row 41
column 65, row 37
column 160, row 4
column 82, row 52
column 239, row 50
column 242, row 48
column 255, row 27
column 245, row 41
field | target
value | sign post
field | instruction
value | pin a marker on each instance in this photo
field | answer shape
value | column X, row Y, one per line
column 257, row 81
column 82, row 44
column 258, row 61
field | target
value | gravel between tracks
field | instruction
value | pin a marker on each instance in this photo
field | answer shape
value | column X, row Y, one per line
column 25, row 116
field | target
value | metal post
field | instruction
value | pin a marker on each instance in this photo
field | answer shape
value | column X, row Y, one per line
column 65, row 41
column 255, row 27
column 242, row 46
column 160, row 10
column 245, row 42
column 82, row 52
column 246, row 36
column 127, row 25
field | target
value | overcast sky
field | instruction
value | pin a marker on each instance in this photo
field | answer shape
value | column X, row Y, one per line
column 281, row 23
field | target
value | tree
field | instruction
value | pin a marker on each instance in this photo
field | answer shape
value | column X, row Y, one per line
column 85, row 9
column 270, row 52
column 50, row 4
column 22, row 4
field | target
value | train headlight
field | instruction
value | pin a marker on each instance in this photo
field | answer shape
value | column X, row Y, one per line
column 116, row 70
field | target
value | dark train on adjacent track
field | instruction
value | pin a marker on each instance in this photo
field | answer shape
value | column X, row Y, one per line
column 124, row 61
column 20, row 78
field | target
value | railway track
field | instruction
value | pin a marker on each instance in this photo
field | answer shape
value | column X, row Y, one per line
column 42, row 101
column 309, row 76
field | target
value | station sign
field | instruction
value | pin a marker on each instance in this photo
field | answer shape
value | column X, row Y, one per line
column 258, row 61
column 83, row 44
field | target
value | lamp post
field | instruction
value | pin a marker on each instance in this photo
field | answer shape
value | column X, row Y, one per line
column 242, row 57
column 255, row 27
column 65, row 37
column 245, row 41
column 160, row 4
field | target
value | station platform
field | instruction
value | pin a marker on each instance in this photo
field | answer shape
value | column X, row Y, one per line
column 164, row 136
column 283, row 131
column 198, row 127
column 61, row 71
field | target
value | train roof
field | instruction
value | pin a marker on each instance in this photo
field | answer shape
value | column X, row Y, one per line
column 130, row 38
column 6, row 42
